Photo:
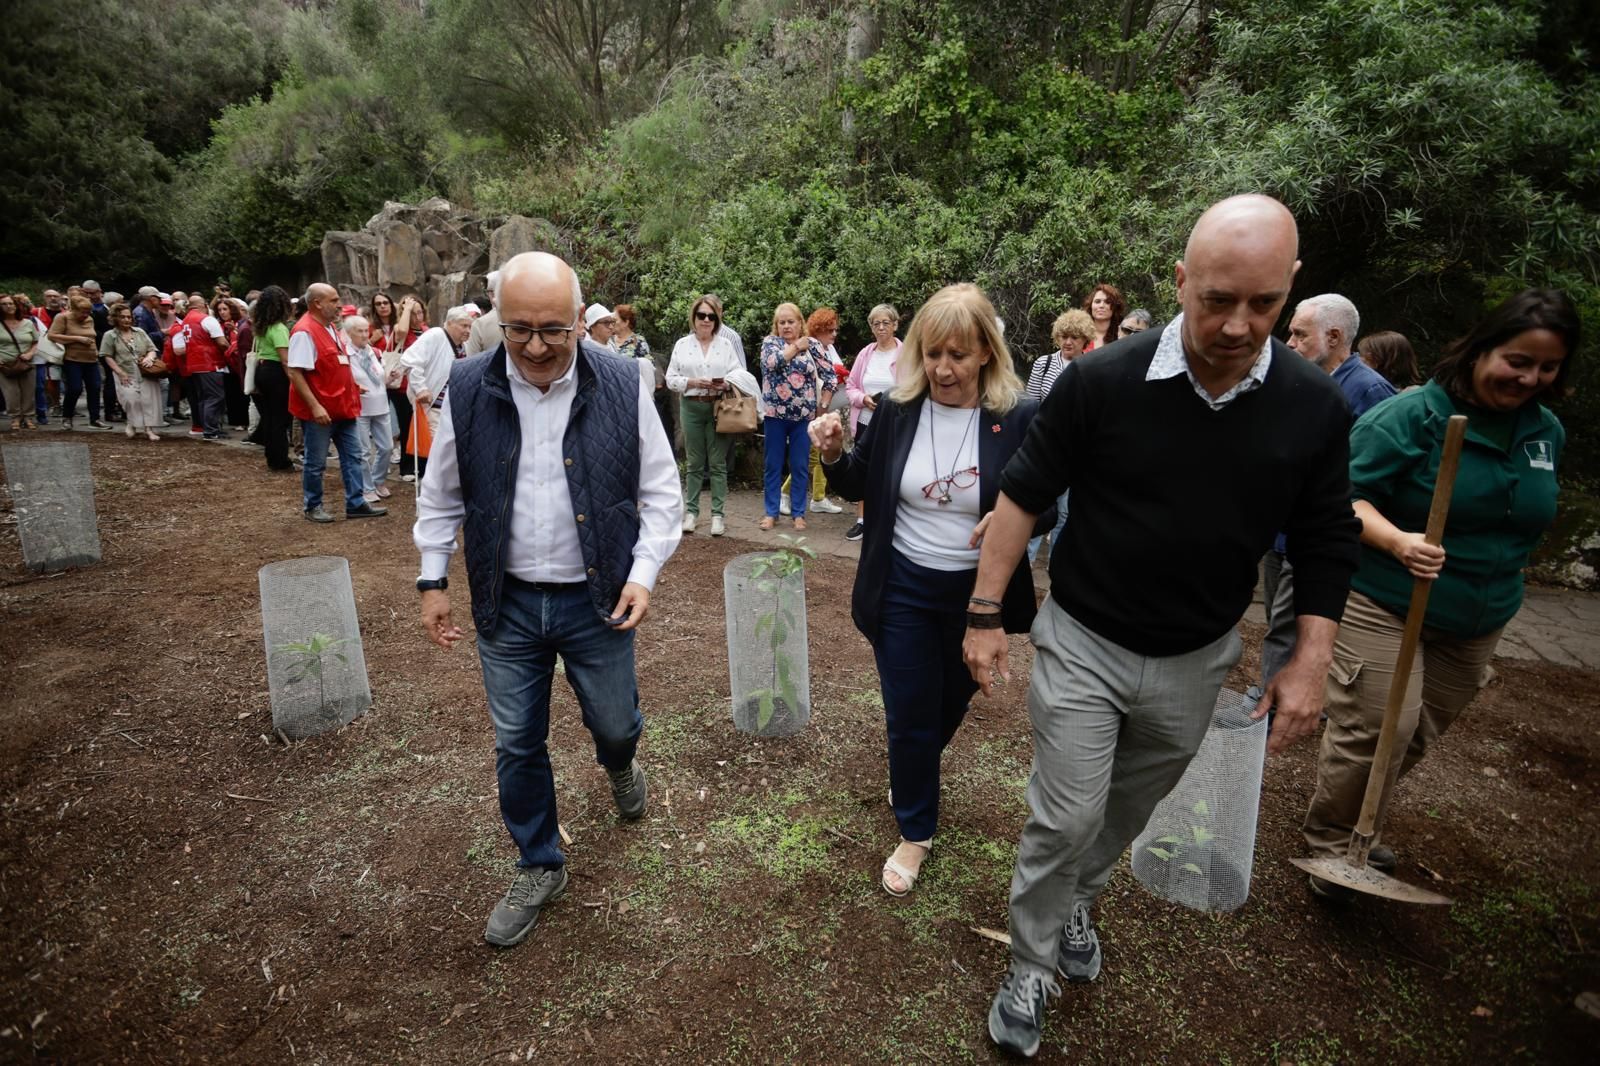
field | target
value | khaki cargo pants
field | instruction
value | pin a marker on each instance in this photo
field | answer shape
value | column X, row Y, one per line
column 1445, row 676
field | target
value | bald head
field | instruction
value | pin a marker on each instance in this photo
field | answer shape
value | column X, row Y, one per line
column 540, row 291
column 1233, row 282
column 196, row 303
column 322, row 301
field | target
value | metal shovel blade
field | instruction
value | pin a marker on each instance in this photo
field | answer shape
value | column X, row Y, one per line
column 1366, row 879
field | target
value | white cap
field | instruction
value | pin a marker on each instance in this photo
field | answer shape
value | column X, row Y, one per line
column 594, row 313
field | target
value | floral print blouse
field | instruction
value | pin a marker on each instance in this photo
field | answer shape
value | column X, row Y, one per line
column 789, row 386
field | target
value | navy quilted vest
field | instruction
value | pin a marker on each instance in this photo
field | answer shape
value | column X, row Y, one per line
column 601, row 448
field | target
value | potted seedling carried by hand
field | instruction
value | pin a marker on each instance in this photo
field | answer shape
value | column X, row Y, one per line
column 765, row 597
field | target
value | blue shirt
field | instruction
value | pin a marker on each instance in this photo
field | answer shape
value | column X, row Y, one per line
column 145, row 319
column 1364, row 388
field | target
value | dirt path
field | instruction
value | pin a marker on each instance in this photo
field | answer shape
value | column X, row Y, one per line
column 174, row 886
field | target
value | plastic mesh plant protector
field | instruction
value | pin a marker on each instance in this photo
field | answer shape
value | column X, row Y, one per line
column 52, row 497
column 765, row 598
column 315, row 665
column 1199, row 844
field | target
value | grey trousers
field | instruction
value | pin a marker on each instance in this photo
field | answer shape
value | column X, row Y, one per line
column 1277, row 596
column 1113, row 732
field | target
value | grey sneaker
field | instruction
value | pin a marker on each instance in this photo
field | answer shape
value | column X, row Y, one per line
column 1017, row 1014
column 629, row 789
column 514, row 916
column 318, row 514
column 1078, row 956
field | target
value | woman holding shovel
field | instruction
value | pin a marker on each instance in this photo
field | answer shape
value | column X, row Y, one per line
column 1504, row 500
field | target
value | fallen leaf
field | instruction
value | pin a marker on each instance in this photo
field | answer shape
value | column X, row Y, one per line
column 566, row 838
column 992, row 934
column 1481, row 1011
column 1435, row 874
column 1489, row 771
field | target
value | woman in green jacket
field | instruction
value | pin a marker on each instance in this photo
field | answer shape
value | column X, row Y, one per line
column 1505, row 498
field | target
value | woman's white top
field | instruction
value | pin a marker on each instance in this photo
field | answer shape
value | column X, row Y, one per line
column 689, row 360
column 878, row 378
column 927, row 532
column 366, row 366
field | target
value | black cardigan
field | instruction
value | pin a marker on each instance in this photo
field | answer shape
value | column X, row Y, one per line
column 873, row 471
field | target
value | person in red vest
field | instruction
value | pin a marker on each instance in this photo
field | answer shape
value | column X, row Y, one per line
column 324, row 396
column 200, row 345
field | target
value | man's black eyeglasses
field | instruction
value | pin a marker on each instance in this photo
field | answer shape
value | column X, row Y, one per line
column 553, row 336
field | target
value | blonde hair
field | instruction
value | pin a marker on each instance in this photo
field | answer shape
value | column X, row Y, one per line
column 958, row 311
column 1073, row 323
column 793, row 310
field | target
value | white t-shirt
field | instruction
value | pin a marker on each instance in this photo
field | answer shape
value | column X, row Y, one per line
column 929, row 533
column 878, row 378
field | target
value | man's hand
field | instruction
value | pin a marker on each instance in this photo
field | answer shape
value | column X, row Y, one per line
column 632, row 606
column 827, row 433
column 319, row 415
column 1296, row 693
column 1424, row 560
column 424, row 398
column 436, row 619
column 987, row 653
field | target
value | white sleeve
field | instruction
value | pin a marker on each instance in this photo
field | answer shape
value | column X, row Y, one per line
column 302, row 353
column 735, row 360
column 180, row 342
column 677, row 374
column 660, row 494
column 416, row 359
column 213, row 328
column 440, row 506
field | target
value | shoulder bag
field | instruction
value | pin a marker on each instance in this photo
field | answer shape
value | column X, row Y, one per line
column 18, row 366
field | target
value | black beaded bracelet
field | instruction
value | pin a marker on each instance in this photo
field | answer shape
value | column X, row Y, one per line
column 984, row 621
column 981, row 602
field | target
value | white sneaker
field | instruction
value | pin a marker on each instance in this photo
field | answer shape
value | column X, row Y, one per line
column 370, row 497
column 717, row 528
column 826, row 506
column 783, row 505
column 689, row 522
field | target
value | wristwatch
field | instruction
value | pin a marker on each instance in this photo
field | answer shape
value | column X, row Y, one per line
column 426, row 583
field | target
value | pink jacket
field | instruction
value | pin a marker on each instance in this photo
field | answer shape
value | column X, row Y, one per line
column 858, row 371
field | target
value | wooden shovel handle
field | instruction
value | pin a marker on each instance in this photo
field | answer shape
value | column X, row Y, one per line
column 1383, row 757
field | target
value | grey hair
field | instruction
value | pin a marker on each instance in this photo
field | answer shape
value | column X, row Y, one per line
column 1141, row 316
column 461, row 313
column 352, row 322
column 887, row 310
column 492, row 281
column 1332, row 311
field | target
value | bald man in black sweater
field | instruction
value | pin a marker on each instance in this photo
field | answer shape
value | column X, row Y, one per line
column 1186, row 451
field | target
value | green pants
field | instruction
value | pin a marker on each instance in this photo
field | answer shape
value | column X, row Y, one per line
column 705, row 453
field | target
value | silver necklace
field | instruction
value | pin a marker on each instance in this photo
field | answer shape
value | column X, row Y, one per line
column 933, row 444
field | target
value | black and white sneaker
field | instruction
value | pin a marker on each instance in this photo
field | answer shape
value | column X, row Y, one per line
column 1016, row 1017
column 857, row 530
column 1078, row 956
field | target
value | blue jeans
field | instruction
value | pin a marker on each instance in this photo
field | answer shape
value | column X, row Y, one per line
column 1054, row 534
column 373, row 432
column 519, row 661
column 926, row 685
column 787, row 446
column 343, row 436
column 80, row 378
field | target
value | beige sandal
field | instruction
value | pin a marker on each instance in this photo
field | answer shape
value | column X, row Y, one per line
column 907, row 877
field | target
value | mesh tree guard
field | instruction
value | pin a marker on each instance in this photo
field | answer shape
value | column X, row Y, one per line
column 765, row 597
column 315, row 665
column 52, row 495
column 1199, row 844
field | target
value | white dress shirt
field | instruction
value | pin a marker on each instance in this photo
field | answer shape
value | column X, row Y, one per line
column 428, row 363
column 1170, row 361
column 689, row 360
column 543, row 530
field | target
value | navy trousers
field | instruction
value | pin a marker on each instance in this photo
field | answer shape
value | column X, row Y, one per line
column 926, row 686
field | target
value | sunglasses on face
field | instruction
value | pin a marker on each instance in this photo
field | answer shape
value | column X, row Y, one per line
column 705, row 316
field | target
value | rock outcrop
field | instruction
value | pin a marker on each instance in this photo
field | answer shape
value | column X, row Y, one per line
column 434, row 250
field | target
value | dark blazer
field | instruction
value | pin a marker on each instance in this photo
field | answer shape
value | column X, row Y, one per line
column 872, row 472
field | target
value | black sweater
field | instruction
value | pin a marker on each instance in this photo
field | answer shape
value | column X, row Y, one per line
column 1173, row 503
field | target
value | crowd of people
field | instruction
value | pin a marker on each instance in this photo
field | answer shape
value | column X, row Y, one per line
column 1196, row 453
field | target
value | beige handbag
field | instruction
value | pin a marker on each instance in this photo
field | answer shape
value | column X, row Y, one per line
column 737, row 413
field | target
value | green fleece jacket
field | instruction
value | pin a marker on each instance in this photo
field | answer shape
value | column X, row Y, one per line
column 1505, row 498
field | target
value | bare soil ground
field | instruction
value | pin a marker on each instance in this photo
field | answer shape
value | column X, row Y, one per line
column 177, row 885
